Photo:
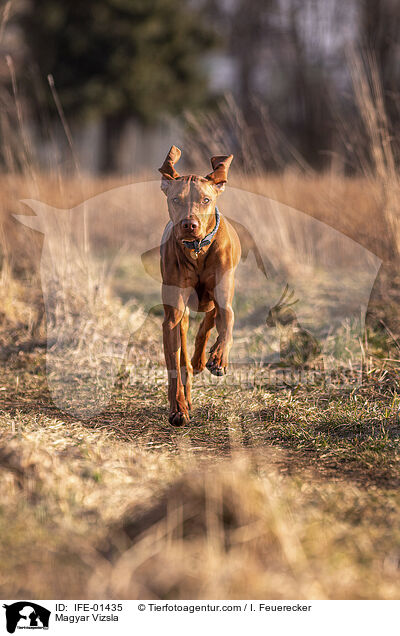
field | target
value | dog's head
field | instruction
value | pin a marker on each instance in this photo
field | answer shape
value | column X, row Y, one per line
column 191, row 199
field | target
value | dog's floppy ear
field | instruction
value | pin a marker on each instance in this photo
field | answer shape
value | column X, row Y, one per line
column 220, row 165
column 167, row 169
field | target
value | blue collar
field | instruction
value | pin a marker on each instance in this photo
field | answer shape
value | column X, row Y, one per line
column 196, row 245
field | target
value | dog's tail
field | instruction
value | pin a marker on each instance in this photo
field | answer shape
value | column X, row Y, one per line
column 248, row 244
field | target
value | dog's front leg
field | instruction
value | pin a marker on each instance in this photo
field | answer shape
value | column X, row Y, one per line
column 173, row 314
column 178, row 410
column 223, row 296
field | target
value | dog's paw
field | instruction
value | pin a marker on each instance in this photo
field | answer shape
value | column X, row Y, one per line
column 214, row 368
column 178, row 419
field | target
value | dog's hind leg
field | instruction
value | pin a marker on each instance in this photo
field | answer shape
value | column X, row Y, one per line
column 199, row 358
column 186, row 367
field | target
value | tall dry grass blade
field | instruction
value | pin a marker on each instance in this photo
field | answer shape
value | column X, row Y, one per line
column 371, row 107
column 68, row 135
column 27, row 146
column 4, row 18
column 63, row 120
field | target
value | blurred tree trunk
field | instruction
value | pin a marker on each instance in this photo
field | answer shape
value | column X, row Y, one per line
column 310, row 96
column 250, row 37
column 246, row 44
column 113, row 132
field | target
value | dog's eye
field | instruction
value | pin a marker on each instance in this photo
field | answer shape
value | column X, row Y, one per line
column 176, row 200
column 206, row 200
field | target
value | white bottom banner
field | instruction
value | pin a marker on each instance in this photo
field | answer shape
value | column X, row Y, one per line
column 181, row 617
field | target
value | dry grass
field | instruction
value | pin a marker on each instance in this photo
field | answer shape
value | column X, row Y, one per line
column 269, row 493
column 87, row 515
column 353, row 206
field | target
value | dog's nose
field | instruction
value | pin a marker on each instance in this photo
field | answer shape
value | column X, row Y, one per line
column 190, row 224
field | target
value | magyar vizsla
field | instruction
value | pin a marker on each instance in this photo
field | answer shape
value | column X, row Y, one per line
column 200, row 250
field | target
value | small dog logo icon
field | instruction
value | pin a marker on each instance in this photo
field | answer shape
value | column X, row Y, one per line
column 26, row 615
